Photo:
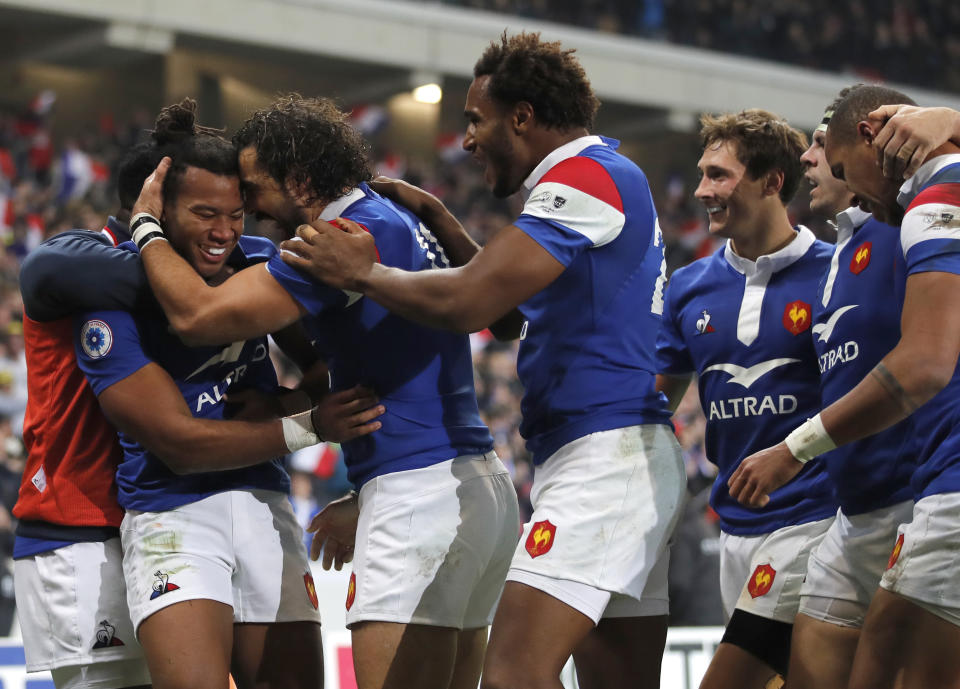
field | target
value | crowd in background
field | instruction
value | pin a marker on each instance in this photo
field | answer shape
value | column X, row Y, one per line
column 915, row 42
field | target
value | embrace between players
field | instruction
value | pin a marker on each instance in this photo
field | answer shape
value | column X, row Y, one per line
column 181, row 532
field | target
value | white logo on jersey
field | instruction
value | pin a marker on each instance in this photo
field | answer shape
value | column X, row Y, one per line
column 523, row 330
column 96, row 338
column 39, row 479
column 840, row 355
column 750, row 375
column 751, row 406
column 228, row 355
column 825, row 330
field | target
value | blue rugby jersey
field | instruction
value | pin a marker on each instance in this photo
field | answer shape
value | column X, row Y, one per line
column 856, row 322
column 930, row 240
column 423, row 376
column 587, row 351
column 112, row 345
column 744, row 328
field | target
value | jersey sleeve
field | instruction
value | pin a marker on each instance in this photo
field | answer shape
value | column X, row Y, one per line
column 257, row 249
column 314, row 296
column 930, row 231
column 108, row 347
column 81, row 271
column 576, row 206
column 673, row 356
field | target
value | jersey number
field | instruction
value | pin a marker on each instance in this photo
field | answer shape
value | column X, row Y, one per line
column 656, row 304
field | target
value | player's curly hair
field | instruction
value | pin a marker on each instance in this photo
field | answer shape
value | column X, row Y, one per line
column 764, row 142
column 543, row 74
column 854, row 103
column 177, row 134
column 307, row 143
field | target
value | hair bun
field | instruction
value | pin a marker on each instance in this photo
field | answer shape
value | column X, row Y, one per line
column 176, row 122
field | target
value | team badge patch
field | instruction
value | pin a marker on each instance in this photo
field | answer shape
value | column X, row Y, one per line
column 796, row 316
column 541, row 538
column 703, row 323
column 162, row 585
column 761, row 580
column 311, row 590
column 96, row 338
column 860, row 258
column 351, row 590
column 105, row 636
column 895, row 555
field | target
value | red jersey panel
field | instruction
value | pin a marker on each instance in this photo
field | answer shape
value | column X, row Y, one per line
column 72, row 449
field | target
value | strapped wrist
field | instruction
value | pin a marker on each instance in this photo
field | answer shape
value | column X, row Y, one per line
column 298, row 431
column 144, row 228
column 810, row 439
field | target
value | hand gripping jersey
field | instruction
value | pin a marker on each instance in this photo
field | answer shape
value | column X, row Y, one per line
column 112, row 345
column 587, row 348
column 856, row 322
column 67, row 494
column 423, row 376
column 930, row 240
column 745, row 329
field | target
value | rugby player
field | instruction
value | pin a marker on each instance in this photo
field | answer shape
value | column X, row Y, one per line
column 910, row 133
column 912, row 629
column 856, row 322
column 438, row 515
column 584, row 264
column 741, row 320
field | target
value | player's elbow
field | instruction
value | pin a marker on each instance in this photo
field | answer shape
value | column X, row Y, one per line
column 930, row 375
column 193, row 329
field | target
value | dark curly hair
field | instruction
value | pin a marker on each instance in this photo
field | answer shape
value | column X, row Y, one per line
column 549, row 78
column 307, row 143
column 764, row 141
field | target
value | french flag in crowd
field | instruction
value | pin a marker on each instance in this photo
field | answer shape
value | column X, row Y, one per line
column 450, row 147
column 369, row 119
column 78, row 171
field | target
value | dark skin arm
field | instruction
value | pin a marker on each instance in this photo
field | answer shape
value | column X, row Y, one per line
column 674, row 387
column 915, row 370
column 457, row 243
column 510, row 269
column 909, row 134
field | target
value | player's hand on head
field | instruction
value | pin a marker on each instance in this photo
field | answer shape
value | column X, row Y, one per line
column 762, row 473
column 347, row 414
column 339, row 253
column 150, row 200
column 334, row 530
column 908, row 136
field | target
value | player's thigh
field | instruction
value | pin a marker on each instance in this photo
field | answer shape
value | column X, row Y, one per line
column 283, row 655
column 734, row 668
column 622, row 652
column 471, row 648
column 390, row 655
column 117, row 674
column 821, row 654
column 188, row 644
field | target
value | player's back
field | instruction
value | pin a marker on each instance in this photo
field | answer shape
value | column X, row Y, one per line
column 587, row 348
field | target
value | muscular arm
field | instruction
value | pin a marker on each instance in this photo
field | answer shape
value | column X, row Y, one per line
column 674, row 387
column 80, row 271
column 149, row 407
column 510, row 269
column 248, row 304
column 909, row 134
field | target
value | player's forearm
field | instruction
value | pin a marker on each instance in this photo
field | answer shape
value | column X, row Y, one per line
column 195, row 445
column 181, row 291
column 673, row 387
column 457, row 244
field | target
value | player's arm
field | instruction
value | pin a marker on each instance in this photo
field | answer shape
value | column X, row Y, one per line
column 674, row 387
column 921, row 365
column 457, row 243
column 80, row 271
column 909, row 134
column 510, row 269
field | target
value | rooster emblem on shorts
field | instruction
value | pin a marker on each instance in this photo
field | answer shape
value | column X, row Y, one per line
column 162, row 584
column 761, row 580
column 105, row 636
column 541, row 538
column 796, row 316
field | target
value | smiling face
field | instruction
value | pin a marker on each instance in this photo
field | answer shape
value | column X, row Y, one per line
column 263, row 195
column 828, row 195
column 490, row 140
column 855, row 163
column 205, row 220
column 727, row 191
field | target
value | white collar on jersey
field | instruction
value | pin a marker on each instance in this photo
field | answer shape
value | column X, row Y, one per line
column 336, row 208
column 850, row 220
column 568, row 150
column 912, row 186
column 771, row 263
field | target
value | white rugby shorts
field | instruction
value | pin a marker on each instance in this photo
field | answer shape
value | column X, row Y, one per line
column 925, row 557
column 763, row 574
column 434, row 544
column 243, row 548
column 844, row 570
column 72, row 608
column 605, row 506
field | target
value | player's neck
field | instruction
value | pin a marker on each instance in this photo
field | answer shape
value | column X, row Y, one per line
column 769, row 238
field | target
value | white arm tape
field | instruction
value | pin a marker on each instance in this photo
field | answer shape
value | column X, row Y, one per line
column 809, row 440
column 298, row 431
column 143, row 225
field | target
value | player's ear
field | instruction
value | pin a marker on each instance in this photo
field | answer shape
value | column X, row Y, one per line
column 867, row 129
column 773, row 182
column 522, row 116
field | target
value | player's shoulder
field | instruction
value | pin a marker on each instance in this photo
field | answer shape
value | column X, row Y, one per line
column 706, row 270
column 251, row 249
column 821, row 250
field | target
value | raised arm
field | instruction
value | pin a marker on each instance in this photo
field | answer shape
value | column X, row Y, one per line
column 910, row 134
column 510, row 269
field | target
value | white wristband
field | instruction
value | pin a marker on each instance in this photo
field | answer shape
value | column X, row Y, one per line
column 298, row 431
column 144, row 228
column 809, row 440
